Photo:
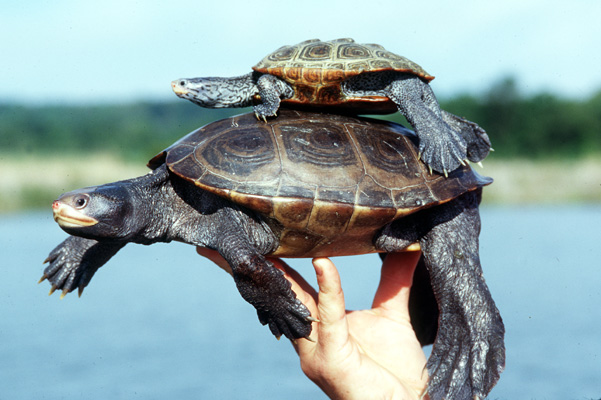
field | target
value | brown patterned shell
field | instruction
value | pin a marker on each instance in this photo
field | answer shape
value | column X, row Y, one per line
column 315, row 69
column 326, row 183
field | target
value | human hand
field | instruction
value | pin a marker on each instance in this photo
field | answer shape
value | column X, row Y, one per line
column 358, row 354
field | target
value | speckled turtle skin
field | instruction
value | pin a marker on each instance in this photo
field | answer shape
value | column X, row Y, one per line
column 304, row 185
column 349, row 78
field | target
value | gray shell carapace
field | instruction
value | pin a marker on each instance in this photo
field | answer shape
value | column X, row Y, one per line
column 316, row 69
column 324, row 180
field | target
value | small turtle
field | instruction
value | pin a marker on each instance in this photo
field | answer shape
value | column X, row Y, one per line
column 349, row 77
column 302, row 185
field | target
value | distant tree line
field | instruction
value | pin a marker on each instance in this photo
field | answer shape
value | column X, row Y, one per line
column 536, row 126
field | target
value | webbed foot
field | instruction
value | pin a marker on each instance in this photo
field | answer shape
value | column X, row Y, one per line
column 264, row 286
column 466, row 364
column 442, row 153
column 478, row 143
column 72, row 263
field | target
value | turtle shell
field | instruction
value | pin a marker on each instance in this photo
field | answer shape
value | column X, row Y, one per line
column 315, row 70
column 325, row 183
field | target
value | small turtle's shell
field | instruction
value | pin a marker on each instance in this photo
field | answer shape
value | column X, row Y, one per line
column 316, row 69
column 325, row 183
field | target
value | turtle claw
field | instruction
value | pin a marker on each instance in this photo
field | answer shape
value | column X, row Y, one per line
column 311, row 319
column 443, row 152
column 42, row 279
column 74, row 262
column 480, row 164
column 261, row 117
column 310, row 339
column 278, row 307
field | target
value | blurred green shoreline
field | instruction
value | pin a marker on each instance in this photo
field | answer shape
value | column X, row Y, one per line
column 548, row 148
column 33, row 182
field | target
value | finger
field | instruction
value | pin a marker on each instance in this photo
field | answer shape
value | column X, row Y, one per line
column 332, row 329
column 395, row 280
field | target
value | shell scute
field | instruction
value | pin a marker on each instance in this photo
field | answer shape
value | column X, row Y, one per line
column 369, row 192
column 293, row 212
column 316, row 51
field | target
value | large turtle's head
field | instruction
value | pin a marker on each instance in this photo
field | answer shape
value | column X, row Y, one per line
column 95, row 212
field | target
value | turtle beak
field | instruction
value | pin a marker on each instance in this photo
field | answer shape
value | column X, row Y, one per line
column 179, row 87
column 68, row 216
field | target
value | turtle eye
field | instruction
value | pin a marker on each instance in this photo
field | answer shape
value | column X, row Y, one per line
column 182, row 83
column 81, row 201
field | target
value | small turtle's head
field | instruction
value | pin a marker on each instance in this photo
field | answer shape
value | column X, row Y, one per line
column 216, row 92
column 95, row 212
column 202, row 91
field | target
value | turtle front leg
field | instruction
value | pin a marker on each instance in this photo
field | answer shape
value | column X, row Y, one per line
column 441, row 147
column 270, row 89
column 264, row 286
column 74, row 262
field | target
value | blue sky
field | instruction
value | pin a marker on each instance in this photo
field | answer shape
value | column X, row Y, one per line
column 66, row 51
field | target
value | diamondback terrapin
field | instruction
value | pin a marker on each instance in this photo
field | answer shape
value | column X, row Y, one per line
column 348, row 77
column 302, row 185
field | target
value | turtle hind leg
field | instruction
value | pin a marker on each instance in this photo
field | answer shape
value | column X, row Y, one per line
column 441, row 147
column 478, row 143
column 469, row 352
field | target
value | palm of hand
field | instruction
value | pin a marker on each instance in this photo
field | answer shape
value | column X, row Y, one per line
column 368, row 353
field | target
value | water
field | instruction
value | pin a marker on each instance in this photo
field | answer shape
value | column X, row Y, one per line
column 160, row 322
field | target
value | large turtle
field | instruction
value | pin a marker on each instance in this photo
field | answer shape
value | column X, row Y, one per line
column 302, row 185
column 349, row 77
